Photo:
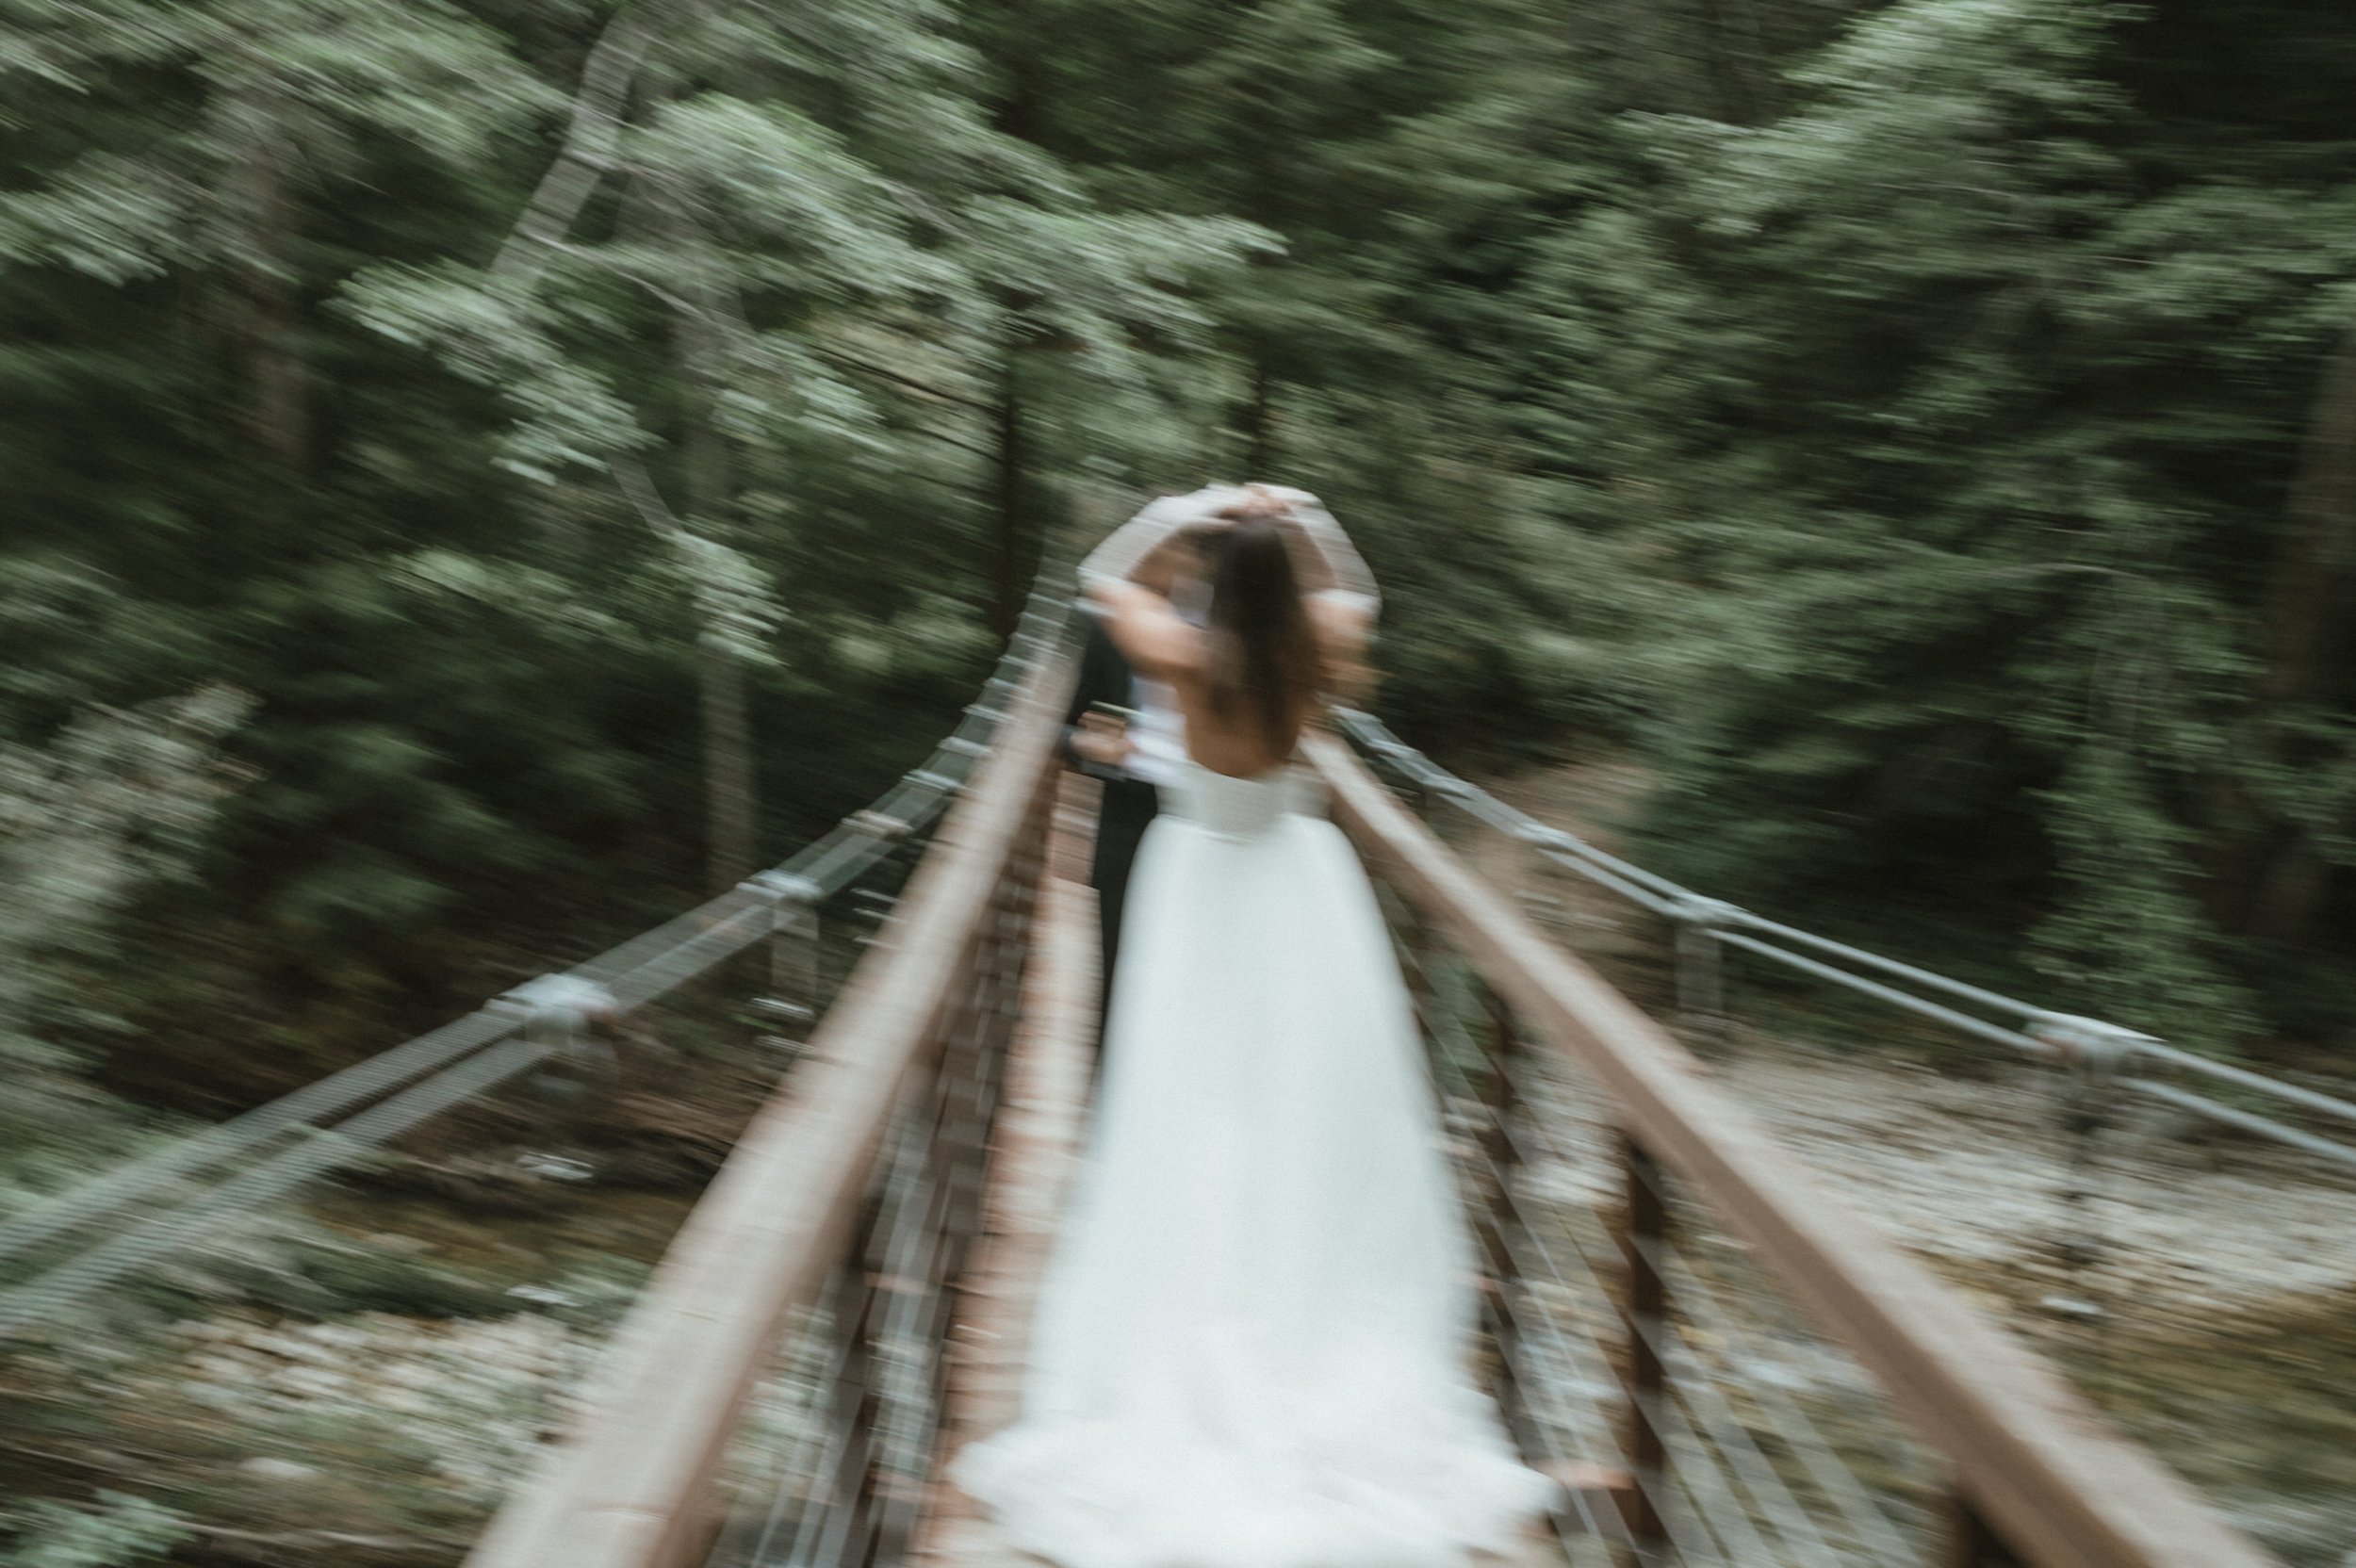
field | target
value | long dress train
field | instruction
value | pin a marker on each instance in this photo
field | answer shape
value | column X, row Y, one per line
column 1249, row 1350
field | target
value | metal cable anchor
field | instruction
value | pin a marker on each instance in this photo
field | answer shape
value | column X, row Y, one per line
column 1701, row 963
column 792, row 902
column 561, row 1011
column 567, row 1016
column 2092, row 1053
column 2087, row 1044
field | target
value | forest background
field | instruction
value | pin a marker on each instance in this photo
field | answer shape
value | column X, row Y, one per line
column 481, row 471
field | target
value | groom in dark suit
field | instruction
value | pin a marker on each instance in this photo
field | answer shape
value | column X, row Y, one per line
column 1111, row 751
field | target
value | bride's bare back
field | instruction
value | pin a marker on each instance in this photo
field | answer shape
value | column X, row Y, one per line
column 1292, row 608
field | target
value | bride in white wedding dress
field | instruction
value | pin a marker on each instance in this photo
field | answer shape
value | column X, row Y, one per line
column 1249, row 1350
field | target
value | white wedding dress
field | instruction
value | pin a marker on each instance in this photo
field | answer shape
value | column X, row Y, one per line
column 1249, row 1350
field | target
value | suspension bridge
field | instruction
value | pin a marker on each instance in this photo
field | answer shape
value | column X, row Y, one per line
column 848, row 1303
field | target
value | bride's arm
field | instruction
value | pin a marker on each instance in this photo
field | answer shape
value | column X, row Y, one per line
column 1158, row 644
column 1331, row 567
column 1345, row 625
column 1124, row 581
column 1330, row 563
column 1344, row 601
column 1146, row 540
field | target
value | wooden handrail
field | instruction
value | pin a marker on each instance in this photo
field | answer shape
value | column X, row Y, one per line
column 632, row 1485
column 2028, row 1453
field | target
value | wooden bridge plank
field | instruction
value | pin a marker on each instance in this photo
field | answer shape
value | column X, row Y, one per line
column 2064, row 1489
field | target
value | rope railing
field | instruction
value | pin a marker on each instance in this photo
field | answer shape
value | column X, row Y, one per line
column 851, row 1481
column 162, row 1203
column 2105, row 1052
column 853, row 1191
column 1548, row 1269
column 1667, row 1444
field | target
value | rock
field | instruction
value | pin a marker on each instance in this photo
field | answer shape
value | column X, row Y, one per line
column 554, row 1167
column 294, row 1348
column 313, row 1382
column 266, row 1468
column 223, row 1368
column 541, row 1295
column 337, row 1336
column 393, row 1241
column 1762, row 1373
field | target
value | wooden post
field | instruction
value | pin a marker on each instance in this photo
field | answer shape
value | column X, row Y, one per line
column 1499, row 1218
column 1969, row 1543
column 1644, row 1311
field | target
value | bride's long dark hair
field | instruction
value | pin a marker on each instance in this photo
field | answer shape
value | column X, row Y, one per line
column 1263, row 668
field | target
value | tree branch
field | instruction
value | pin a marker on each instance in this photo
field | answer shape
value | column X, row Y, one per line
column 592, row 138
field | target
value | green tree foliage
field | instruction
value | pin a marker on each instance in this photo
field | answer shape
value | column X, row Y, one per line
column 606, row 438
column 467, row 381
column 115, row 801
column 1408, row 161
column 1946, row 418
column 118, row 1532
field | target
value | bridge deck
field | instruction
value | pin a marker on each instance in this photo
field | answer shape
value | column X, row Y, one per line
column 888, row 1103
column 1034, row 1146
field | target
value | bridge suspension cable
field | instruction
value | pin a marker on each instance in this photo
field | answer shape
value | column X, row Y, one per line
column 275, row 1148
column 2102, row 1053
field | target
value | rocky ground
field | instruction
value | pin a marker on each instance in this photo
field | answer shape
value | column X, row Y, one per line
column 2215, row 1317
column 373, row 1373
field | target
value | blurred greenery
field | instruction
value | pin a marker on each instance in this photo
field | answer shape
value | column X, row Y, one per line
column 1925, row 433
column 116, row 1532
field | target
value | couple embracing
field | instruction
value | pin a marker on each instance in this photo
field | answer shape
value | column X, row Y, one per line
column 1249, row 1348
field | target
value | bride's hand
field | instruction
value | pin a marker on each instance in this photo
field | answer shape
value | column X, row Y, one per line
column 1124, row 554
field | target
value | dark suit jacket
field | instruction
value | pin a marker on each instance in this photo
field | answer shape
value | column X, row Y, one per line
column 1104, row 677
column 1129, row 805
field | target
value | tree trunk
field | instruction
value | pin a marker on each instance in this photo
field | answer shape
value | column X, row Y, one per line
column 593, row 136
column 1016, row 530
column 2302, row 618
column 731, row 806
column 262, row 304
column 2306, row 598
column 1723, row 61
column 728, row 766
column 1258, row 440
column 279, row 380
